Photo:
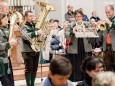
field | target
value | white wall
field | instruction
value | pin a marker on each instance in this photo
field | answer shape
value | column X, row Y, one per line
column 61, row 7
column 87, row 5
column 100, row 5
column 59, row 12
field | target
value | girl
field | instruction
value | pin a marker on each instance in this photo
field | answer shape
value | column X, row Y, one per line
column 91, row 67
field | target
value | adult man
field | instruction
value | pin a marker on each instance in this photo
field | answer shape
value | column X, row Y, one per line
column 30, row 57
column 109, row 39
column 59, row 71
column 69, row 16
column 4, row 7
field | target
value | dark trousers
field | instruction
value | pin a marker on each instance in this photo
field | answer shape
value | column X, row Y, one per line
column 109, row 58
column 31, row 61
column 11, row 75
column 7, row 80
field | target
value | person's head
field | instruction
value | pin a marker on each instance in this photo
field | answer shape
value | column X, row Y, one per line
column 65, row 25
column 81, row 9
column 3, row 19
column 104, row 79
column 94, row 13
column 92, row 20
column 59, row 71
column 34, row 19
column 109, row 10
column 51, row 23
column 51, row 20
column 55, row 23
column 4, row 7
column 93, row 23
column 28, row 16
column 92, row 66
column 78, row 14
column 70, row 8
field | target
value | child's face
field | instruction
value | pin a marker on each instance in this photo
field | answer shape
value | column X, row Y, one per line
column 58, row 80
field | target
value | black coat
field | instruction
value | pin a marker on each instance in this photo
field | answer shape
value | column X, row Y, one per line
column 95, row 18
column 86, row 81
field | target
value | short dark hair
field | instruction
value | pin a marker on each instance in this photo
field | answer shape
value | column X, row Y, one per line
column 78, row 11
column 51, row 20
column 60, row 66
column 90, row 63
column 56, row 21
column 26, row 12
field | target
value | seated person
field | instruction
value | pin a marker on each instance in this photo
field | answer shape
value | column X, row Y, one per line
column 104, row 79
column 95, row 17
column 85, row 18
column 69, row 16
column 59, row 72
column 91, row 67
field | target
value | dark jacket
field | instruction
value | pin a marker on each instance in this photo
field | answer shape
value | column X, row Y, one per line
column 95, row 18
column 29, row 30
column 86, row 81
column 97, row 42
column 69, row 15
column 85, row 18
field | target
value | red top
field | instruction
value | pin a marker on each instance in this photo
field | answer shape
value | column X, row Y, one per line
column 108, row 39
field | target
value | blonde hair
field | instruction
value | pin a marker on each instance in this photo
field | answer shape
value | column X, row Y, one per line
column 103, row 79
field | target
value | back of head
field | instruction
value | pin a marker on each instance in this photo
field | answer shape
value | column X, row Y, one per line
column 60, row 66
column 104, row 79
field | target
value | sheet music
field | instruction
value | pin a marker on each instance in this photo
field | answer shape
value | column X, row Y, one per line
column 89, row 33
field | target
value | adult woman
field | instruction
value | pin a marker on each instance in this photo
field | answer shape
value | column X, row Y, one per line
column 78, row 47
column 5, row 71
column 91, row 67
